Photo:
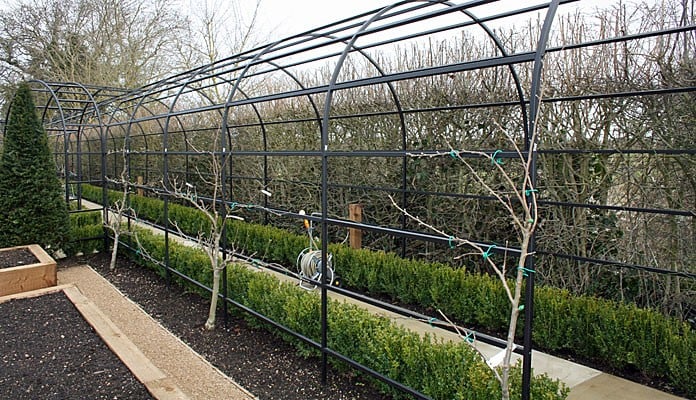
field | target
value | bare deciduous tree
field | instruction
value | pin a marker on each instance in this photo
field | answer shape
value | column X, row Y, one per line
column 115, row 215
column 215, row 211
column 517, row 196
column 112, row 42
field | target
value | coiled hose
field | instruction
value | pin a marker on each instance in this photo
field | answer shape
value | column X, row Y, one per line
column 309, row 264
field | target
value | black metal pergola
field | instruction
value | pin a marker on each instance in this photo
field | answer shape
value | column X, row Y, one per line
column 285, row 117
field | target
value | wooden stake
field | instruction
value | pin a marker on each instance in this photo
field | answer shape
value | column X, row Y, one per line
column 140, row 191
column 355, row 215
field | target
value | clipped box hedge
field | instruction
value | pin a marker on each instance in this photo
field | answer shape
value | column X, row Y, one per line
column 618, row 335
column 439, row 370
column 85, row 233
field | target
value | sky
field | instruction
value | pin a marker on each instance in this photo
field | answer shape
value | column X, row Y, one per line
column 287, row 17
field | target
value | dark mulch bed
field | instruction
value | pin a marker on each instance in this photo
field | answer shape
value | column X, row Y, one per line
column 256, row 359
column 17, row 257
column 48, row 351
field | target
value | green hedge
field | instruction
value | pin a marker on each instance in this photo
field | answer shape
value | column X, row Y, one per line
column 440, row 370
column 618, row 335
column 83, row 227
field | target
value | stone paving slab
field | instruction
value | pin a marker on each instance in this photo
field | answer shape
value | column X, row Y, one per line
column 585, row 383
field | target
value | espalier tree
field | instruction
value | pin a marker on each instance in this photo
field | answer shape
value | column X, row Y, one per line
column 32, row 209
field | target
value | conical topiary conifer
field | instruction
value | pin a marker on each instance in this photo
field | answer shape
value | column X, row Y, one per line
column 32, row 209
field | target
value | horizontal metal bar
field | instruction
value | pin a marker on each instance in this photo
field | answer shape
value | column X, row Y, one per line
column 620, row 151
column 406, row 389
column 618, row 264
column 289, row 331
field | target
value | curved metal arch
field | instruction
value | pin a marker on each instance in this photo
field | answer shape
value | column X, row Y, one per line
column 496, row 40
column 165, row 129
column 128, row 131
column 112, row 117
column 238, row 79
column 165, row 135
column 98, row 116
column 404, row 141
column 263, row 128
column 380, row 14
column 118, row 107
column 105, row 148
column 202, row 72
column 227, row 106
column 264, row 143
column 54, row 95
column 161, row 127
column 530, row 147
column 301, row 86
column 182, row 88
column 55, row 98
column 513, row 71
column 255, row 60
column 90, row 154
column 142, row 96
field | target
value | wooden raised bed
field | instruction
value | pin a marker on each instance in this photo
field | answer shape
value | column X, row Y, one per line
column 23, row 278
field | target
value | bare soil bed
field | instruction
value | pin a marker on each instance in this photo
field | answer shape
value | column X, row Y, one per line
column 48, row 351
column 14, row 258
column 259, row 361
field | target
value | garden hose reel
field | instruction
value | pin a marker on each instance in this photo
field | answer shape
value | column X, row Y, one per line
column 309, row 262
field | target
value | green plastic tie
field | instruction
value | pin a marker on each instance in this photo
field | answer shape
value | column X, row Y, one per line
column 469, row 337
column 454, row 154
column 528, row 192
column 526, row 271
column 495, row 159
column 488, row 252
column 431, row 320
column 450, row 241
column 521, row 308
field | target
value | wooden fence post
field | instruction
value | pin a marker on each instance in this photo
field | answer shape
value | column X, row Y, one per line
column 139, row 181
column 355, row 215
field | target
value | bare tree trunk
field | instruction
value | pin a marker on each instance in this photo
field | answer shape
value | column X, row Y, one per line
column 114, row 250
column 514, row 316
column 210, row 323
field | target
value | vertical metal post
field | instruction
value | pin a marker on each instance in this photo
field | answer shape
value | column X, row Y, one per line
column 324, row 241
column 165, row 211
column 223, row 204
column 531, row 147
column 103, row 184
column 404, row 185
column 325, row 184
column 66, row 165
column 265, row 174
column 127, row 161
column 78, row 185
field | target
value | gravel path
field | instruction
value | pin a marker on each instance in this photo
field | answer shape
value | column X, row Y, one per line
column 259, row 361
column 193, row 374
